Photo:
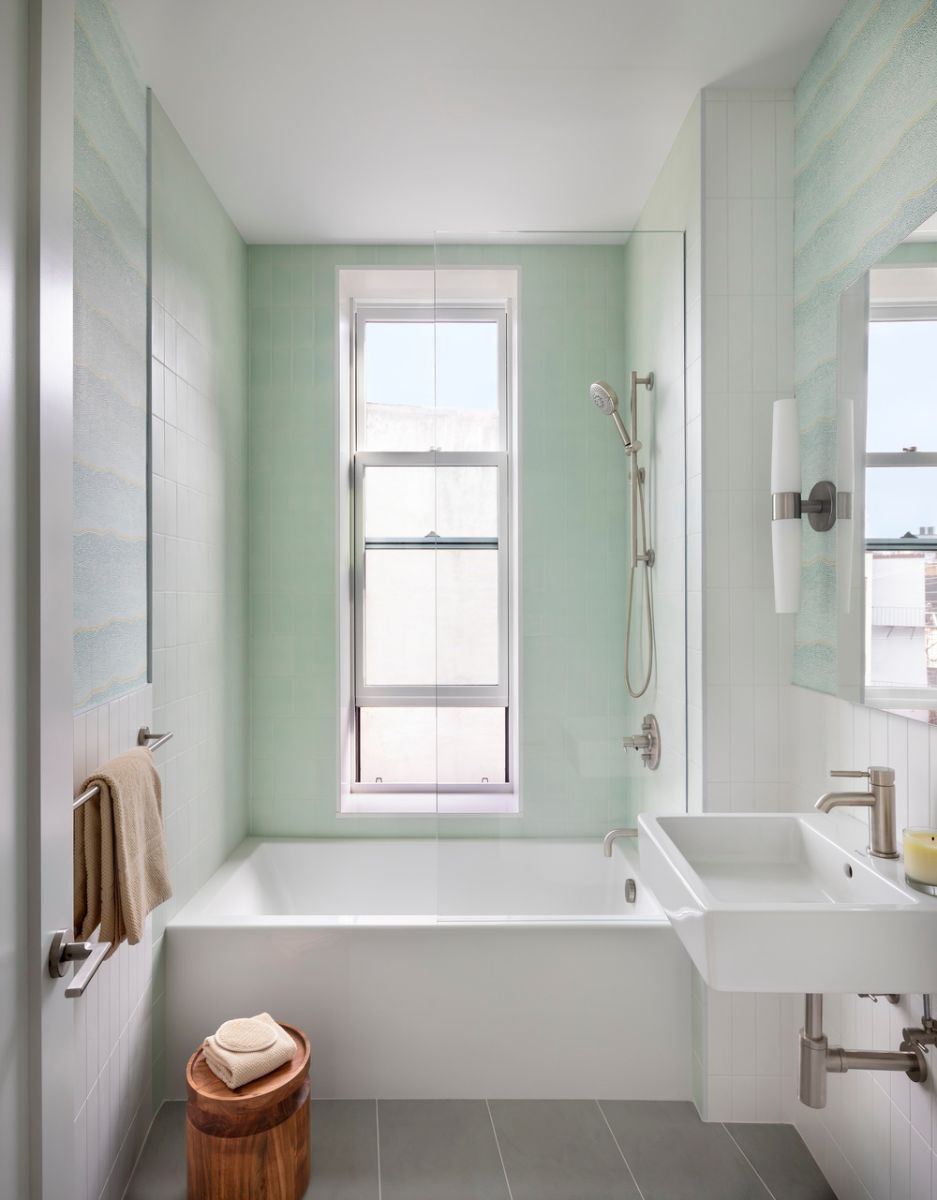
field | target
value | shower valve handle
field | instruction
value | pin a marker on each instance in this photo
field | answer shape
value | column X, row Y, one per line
column 647, row 741
column 637, row 741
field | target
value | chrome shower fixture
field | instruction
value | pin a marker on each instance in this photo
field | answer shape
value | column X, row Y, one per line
column 642, row 555
column 605, row 399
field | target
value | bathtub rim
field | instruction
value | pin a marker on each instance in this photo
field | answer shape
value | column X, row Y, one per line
column 191, row 916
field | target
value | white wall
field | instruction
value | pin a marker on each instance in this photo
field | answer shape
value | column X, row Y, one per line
column 748, row 363
column 767, row 744
column 112, row 1021
column 738, row 681
column 877, row 1136
column 13, row 1078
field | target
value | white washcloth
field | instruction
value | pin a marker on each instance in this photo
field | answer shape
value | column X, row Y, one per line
column 236, row 1067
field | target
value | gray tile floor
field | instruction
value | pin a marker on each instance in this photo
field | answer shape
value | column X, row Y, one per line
column 520, row 1150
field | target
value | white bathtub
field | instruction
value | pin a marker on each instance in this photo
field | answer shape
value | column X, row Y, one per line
column 457, row 968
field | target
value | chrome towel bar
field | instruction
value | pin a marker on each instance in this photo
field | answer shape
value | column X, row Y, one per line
column 63, row 952
column 144, row 738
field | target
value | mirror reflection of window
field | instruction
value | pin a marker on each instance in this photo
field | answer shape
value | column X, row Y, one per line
column 901, row 488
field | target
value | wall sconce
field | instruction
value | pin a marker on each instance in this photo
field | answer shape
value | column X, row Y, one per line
column 788, row 505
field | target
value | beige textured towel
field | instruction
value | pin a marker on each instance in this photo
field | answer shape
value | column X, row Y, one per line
column 236, row 1067
column 120, row 868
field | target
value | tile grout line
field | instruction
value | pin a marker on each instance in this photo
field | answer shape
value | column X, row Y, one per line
column 748, row 1160
column 619, row 1149
column 498, row 1146
column 377, row 1134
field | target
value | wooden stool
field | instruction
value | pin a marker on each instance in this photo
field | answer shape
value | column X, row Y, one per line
column 251, row 1142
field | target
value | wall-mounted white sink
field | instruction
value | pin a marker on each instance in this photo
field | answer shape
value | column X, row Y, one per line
column 787, row 903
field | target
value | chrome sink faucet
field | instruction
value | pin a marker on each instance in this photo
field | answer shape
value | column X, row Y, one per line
column 879, row 799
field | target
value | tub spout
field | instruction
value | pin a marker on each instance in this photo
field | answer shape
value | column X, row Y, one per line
column 610, row 837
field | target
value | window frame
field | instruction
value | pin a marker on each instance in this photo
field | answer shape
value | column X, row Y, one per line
column 498, row 695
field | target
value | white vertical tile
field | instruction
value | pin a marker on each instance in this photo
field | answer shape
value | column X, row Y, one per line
column 739, row 236
column 920, row 1168
column 714, row 145
column 719, row 1098
column 716, row 246
column 764, row 242
column 900, row 1157
column 764, row 149
column 784, row 148
column 738, row 147
column 744, row 1098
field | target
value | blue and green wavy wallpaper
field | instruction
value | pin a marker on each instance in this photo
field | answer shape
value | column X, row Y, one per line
column 865, row 162
column 110, row 373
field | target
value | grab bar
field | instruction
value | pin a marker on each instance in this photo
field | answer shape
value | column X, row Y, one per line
column 144, row 737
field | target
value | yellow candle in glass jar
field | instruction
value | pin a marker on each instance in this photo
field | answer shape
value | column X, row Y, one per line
column 920, row 855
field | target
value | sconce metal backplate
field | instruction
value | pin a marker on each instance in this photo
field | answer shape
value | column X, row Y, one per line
column 821, row 506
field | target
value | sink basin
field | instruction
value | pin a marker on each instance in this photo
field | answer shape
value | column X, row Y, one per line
column 778, row 902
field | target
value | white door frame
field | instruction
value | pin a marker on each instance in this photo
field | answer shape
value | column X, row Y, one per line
column 49, row 590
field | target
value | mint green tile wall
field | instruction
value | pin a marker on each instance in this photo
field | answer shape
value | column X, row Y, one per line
column 865, row 176
column 574, row 495
column 110, row 641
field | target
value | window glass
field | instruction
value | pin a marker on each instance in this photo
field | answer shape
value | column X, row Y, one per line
column 467, row 607
column 414, row 501
column 431, row 385
column 400, row 617
column 430, row 745
column 431, row 617
column 900, row 500
column 902, row 371
column 901, row 590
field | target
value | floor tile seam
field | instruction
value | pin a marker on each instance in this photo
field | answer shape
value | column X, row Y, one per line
column 748, row 1160
column 377, row 1138
column 494, row 1130
column 608, row 1126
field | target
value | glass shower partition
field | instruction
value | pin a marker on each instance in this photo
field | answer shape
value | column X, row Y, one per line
column 532, row 535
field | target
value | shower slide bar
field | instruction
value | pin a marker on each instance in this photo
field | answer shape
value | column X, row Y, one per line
column 144, row 738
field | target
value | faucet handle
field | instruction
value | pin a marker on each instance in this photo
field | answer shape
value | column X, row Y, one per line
column 877, row 776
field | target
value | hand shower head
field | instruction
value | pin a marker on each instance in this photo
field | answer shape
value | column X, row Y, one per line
column 606, row 401
column 604, row 397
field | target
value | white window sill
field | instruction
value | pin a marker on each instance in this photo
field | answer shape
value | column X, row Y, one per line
column 430, row 804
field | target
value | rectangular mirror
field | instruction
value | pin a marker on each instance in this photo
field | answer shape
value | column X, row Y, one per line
column 886, row 549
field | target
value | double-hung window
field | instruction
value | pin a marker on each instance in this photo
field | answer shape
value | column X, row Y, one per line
column 432, row 603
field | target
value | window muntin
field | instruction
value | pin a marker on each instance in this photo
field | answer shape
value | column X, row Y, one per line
column 431, row 597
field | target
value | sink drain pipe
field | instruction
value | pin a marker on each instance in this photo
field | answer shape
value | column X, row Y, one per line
column 818, row 1058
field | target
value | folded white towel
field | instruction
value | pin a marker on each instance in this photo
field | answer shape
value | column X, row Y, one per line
column 236, row 1067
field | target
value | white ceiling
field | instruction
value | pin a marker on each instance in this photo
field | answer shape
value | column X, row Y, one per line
column 376, row 120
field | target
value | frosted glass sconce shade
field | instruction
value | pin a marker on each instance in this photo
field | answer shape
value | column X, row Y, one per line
column 785, row 554
column 785, row 481
column 785, row 447
column 788, row 506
